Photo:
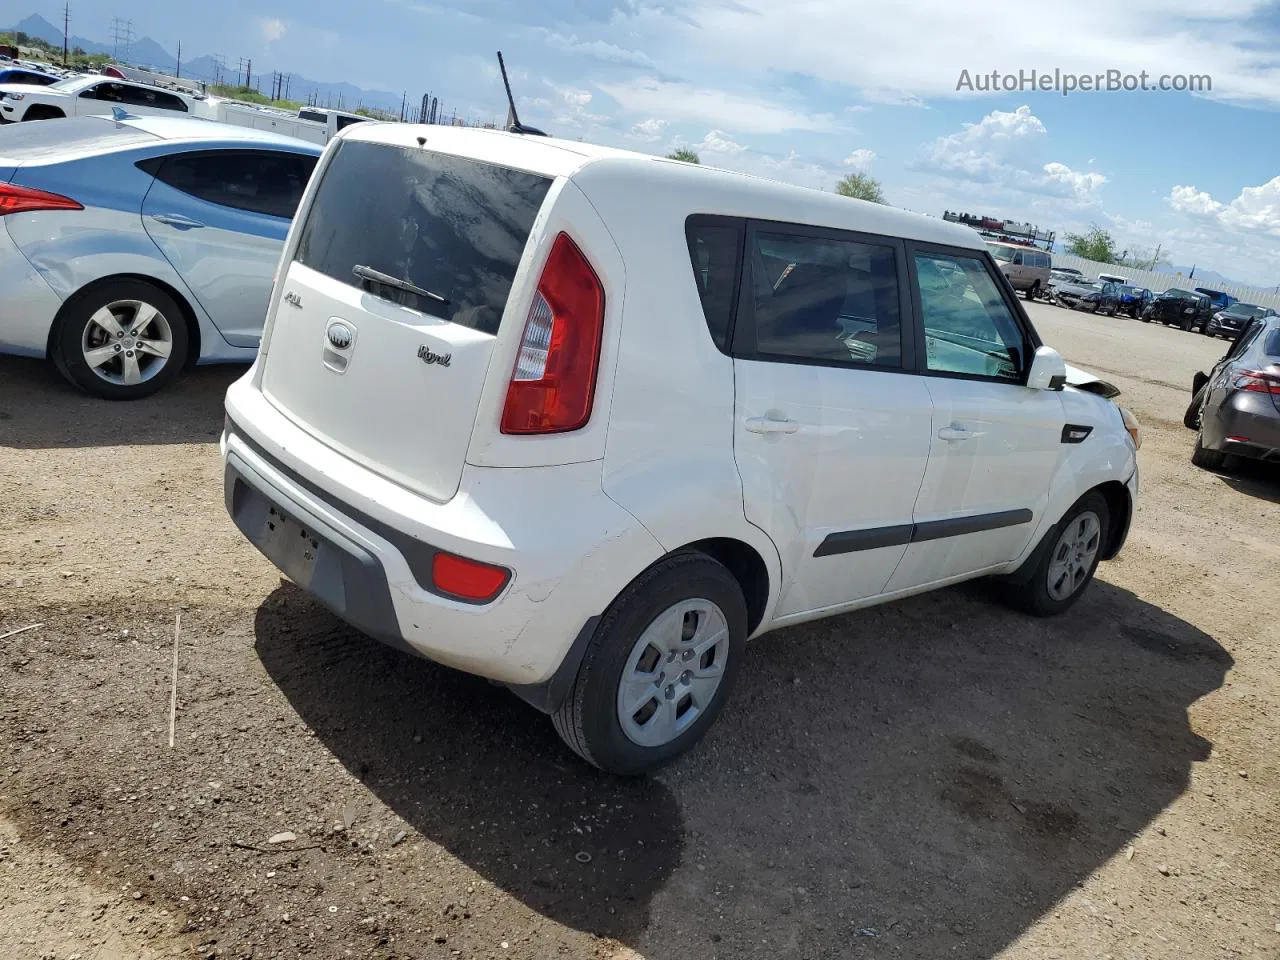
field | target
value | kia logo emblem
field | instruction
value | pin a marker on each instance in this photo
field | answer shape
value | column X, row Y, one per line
column 340, row 335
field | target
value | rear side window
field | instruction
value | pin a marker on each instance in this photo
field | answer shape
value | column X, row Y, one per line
column 715, row 251
column 824, row 300
column 260, row 181
column 449, row 225
column 1272, row 347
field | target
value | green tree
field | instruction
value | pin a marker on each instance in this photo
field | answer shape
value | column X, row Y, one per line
column 1095, row 244
column 861, row 186
column 684, row 154
column 1145, row 258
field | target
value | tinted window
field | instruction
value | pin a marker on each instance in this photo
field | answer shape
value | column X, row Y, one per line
column 344, row 122
column 453, row 226
column 824, row 299
column 1272, row 345
column 256, row 181
column 969, row 329
column 715, row 251
column 156, row 99
column 108, row 92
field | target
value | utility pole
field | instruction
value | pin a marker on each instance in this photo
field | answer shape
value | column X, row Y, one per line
column 404, row 102
column 121, row 34
column 66, row 31
column 178, row 72
column 1155, row 258
column 287, row 81
column 248, row 74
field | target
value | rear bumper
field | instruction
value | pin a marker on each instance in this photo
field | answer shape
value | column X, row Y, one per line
column 29, row 304
column 570, row 548
column 1246, row 425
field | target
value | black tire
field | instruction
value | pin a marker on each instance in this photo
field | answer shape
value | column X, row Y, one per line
column 1029, row 592
column 1191, row 419
column 1111, row 310
column 1093, row 308
column 41, row 112
column 588, row 719
column 1207, row 459
column 75, row 326
column 1033, row 291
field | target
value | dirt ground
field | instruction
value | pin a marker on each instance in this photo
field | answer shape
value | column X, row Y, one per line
column 938, row 777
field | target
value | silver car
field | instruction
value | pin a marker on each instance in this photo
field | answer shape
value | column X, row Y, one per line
column 131, row 249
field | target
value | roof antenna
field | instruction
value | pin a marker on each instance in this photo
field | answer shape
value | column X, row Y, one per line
column 513, row 119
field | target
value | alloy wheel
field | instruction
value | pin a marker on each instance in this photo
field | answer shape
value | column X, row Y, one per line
column 127, row 342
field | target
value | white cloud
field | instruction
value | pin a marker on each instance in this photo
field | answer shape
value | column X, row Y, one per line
column 568, row 107
column 649, row 130
column 272, row 28
column 597, row 49
column 717, row 142
column 860, row 159
column 1080, row 184
column 718, row 108
column 918, row 48
column 1255, row 210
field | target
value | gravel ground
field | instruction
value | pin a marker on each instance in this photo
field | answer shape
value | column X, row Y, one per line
column 938, row 777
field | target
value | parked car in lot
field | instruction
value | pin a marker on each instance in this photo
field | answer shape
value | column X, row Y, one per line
column 1235, row 408
column 1059, row 277
column 1092, row 295
column 1133, row 300
column 1115, row 278
column 1027, row 269
column 1229, row 322
column 132, row 249
column 465, row 439
column 1180, row 308
column 1217, row 299
column 90, row 96
column 25, row 77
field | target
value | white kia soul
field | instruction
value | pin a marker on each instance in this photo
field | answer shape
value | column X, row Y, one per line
column 583, row 421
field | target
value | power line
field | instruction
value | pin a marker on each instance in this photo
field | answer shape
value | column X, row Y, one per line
column 121, row 35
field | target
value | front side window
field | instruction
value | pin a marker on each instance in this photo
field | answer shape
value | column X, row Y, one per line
column 715, row 252
column 155, row 99
column 108, row 92
column 969, row 329
column 825, row 299
column 254, row 181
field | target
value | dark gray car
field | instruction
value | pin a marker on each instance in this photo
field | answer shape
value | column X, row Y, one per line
column 1236, row 407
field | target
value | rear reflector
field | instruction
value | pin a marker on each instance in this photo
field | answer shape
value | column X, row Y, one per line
column 467, row 579
column 553, row 384
column 15, row 199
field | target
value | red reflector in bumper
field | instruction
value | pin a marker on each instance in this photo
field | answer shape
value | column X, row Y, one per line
column 467, row 579
column 1239, row 439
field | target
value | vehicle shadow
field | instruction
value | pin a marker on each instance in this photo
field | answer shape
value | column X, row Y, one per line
column 922, row 779
column 39, row 410
column 1253, row 479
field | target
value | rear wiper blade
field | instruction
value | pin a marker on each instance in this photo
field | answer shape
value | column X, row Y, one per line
column 377, row 276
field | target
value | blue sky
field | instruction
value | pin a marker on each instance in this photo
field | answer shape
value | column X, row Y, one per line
column 808, row 90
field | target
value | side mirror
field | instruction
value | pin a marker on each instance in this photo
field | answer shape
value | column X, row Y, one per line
column 1048, row 370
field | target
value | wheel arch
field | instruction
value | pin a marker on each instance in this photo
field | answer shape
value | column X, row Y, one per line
column 748, row 568
column 189, row 317
column 1120, row 506
column 44, row 111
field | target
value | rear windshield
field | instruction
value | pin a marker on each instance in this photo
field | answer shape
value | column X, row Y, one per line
column 36, row 142
column 1272, row 346
column 451, row 226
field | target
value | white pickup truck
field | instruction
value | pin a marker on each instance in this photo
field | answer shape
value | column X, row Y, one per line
column 94, row 95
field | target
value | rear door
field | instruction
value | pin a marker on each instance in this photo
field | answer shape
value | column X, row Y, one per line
column 220, row 217
column 346, row 355
column 831, row 430
column 995, row 444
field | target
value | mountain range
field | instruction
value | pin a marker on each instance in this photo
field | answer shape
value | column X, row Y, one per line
column 146, row 52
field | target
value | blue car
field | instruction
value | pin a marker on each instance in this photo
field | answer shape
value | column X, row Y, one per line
column 1217, row 299
column 30, row 78
column 137, row 247
column 1133, row 299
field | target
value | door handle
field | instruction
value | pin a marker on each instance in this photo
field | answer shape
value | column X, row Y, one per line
column 174, row 220
column 767, row 425
column 956, row 433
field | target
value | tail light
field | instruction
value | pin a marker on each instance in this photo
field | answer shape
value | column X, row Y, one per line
column 467, row 580
column 15, row 199
column 553, row 385
column 1254, row 381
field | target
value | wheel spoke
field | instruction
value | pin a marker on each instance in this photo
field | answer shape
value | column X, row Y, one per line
column 156, row 348
column 638, row 692
column 100, row 355
column 105, row 319
column 703, row 686
column 665, row 722
column 132, row 372
column 142, row 319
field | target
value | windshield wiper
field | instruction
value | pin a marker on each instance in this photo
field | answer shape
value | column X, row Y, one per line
column 377, row 276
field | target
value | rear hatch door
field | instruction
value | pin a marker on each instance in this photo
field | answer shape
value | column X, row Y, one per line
column 390, row 371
